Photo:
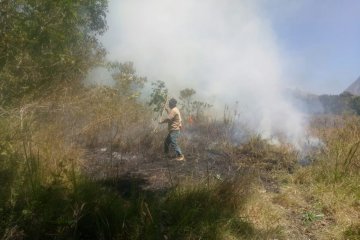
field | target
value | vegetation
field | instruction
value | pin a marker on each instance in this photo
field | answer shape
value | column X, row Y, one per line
column 190, row 107
column 46, row 43
column 345, row 103
column 84, row 162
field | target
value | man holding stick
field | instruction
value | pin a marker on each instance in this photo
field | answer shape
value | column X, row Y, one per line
column 174, row 126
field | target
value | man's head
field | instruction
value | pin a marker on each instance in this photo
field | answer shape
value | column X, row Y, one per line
column 172, row 103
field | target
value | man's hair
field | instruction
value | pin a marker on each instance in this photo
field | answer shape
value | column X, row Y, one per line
column 173, row 102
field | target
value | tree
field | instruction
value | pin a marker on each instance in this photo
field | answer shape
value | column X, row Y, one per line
column 355, row 104
column 127, row 82
column 186, row 97
column 46, row 43
column 158, row 96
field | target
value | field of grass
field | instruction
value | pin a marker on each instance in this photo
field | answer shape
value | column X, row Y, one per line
column 79, row 161
column 51, row 189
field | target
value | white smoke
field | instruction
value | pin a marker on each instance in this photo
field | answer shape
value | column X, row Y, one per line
column 225, row 49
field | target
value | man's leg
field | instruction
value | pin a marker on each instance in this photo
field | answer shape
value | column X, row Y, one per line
column 167, row 142
column 173, row 138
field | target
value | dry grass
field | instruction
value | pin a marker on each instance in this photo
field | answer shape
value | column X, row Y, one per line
column 42, row 153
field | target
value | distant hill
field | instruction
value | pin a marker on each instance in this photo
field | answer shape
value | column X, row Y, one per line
column 313, row 104
column 354, row 88
column 347, row 102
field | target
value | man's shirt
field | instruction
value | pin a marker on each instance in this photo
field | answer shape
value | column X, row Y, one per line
column 174, row 119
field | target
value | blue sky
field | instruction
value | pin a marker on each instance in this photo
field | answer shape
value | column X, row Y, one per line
column 320, row 41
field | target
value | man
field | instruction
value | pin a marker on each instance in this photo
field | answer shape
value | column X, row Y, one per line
column 174, row 125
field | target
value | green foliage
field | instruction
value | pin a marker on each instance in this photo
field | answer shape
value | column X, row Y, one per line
column 186, row 212
column 344, row 103
column 90, row 210
column 310, row 217
column 10, row 162
column 352, row 232
column 43, row 193
column 202, row 212
column 337, row 104
column 46, row 43
column 127, row 82
column 158, row 96
column 87, row 212
column 355, row 104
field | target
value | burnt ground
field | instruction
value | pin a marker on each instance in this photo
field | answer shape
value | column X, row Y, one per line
column 163, row 172
column 130, row 174
column 160, row 171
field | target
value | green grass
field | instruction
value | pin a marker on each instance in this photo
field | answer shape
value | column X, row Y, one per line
column 352, row 232
column 95, row 211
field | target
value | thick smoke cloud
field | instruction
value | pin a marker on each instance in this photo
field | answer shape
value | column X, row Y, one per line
column 224, row 49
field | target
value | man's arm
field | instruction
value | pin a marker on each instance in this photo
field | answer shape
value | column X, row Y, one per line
column 171, row 115
column 166, row 120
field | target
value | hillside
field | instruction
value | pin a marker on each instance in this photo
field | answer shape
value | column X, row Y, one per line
column 354, row 88
column 347, row 102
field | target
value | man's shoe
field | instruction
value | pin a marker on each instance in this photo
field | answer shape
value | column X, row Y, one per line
column 180, row 158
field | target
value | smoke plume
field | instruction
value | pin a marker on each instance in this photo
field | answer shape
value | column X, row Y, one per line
column 226, row 50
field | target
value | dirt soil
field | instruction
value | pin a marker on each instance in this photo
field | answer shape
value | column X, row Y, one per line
column 160, row 171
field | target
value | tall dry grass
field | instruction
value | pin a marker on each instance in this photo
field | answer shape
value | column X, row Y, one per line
column 331, row 183
column 45, row 194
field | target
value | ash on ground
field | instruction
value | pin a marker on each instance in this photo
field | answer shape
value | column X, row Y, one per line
column 160, row 171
